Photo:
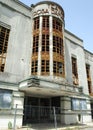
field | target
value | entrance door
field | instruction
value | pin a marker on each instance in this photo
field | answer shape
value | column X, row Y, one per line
column 30, row 110
column 36, row 110
column 44, row 109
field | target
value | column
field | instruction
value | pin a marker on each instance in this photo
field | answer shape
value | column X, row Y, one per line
column 39, row 47
column 51, row 45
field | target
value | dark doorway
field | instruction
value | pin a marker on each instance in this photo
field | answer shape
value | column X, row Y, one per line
column 55, row 101
column 39, row 110
column 35, row 110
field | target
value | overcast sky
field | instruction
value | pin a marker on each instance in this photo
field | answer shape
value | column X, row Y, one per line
column 78, row 18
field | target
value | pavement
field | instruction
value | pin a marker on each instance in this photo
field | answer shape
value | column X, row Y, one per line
column 49, row 126
column 59, row 127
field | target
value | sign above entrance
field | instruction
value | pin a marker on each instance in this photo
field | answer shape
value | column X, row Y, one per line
column 33, row 81
column 51, row 9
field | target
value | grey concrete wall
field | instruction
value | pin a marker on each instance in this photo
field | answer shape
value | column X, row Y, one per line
column 7, row 115
column 74, row 47
column 89, row 61
column 19, row 45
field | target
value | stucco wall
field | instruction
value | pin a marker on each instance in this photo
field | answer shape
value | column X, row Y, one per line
column 74, row 47
column 19, row 45
column 89, row 61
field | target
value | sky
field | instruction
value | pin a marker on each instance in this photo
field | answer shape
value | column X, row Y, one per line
column 78, row 18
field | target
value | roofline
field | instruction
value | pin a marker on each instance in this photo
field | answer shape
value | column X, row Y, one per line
column 88, row 51
column 22, row 4
column 73, row 35
column 17, row 3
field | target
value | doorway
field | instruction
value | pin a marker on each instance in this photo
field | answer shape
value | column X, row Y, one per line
column 39, row 110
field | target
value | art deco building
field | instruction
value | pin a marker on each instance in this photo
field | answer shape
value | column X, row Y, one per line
column 42, row 66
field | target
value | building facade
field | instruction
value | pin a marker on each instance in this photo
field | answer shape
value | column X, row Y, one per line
column 42, row 65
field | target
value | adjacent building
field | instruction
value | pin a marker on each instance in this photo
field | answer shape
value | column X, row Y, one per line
column 42, row 66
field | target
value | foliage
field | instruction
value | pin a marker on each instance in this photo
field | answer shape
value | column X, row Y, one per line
column 9, row 125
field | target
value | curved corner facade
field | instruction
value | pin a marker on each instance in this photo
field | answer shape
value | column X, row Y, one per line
column 48, row 40
column 42, row 66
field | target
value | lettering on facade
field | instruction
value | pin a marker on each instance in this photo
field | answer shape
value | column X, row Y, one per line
column 42, row 11
column 54, row 10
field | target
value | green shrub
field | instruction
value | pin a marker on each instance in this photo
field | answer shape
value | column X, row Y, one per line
column 9, row 125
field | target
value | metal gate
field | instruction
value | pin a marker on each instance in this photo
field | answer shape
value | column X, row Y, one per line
column 39, row 114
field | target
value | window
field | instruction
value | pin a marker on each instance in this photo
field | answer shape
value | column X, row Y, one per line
column 5, row 99
column 57, row 68
column 4, row 36
column 74, row 66
column 58, row 63
column 58, row 48
column 45, row 22
column 57, row 24
column 88, row 78
column 79, row 104
column 45, row 46
column 36, row 23
column 58, row 45
column 88, row 70
column 89, row 87
column 35, row 44
column 34, row 67
column 45, row 42
column 44, row 66
column 35, row 49
column 74, row 71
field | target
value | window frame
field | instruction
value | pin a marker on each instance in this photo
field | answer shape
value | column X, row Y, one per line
column 5, row 100
column 4, row 39
column 74, row 70
column 89, row 82
column 58, row 45
column 36, row 23
column 45, row 42
column 45, row 67
column 57, row 24
column 56, row 68
column 34, row 68
column 35, row 44
column 45, row 23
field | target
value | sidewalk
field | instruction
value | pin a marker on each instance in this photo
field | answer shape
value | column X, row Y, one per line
column 59, row 127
